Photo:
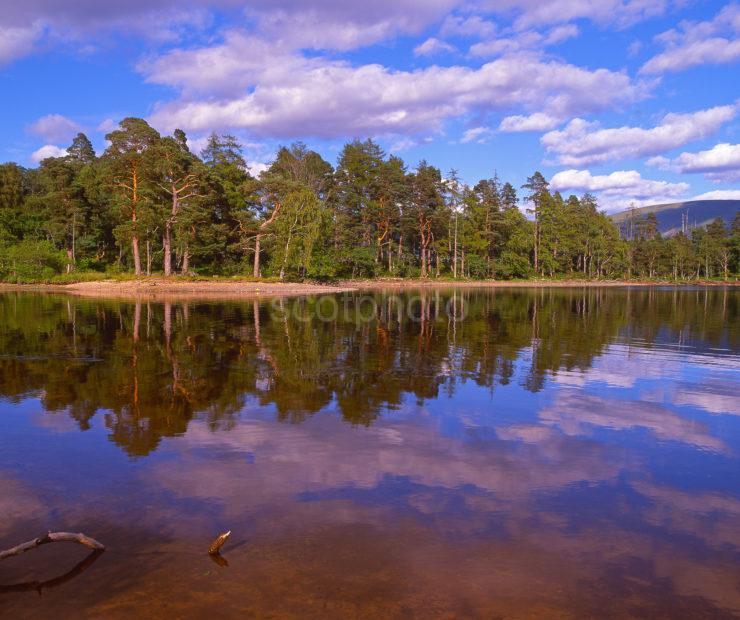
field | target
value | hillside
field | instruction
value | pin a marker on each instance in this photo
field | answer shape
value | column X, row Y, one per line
column 671, row 216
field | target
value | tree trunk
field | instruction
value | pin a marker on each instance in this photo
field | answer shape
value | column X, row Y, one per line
column 185, row 262
column 285, row 256
column 454, row 260
column 256, row 271
column 167, row 248
column 135, row 252
column 135, row 236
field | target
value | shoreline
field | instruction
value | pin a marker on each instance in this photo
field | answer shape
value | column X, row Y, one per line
column 159, row 287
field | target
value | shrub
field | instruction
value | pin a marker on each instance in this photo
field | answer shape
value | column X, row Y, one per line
column 30, row 261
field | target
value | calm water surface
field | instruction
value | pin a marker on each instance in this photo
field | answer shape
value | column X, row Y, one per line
column 479, row 454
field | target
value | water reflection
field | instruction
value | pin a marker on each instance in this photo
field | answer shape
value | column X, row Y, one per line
column 454, row 454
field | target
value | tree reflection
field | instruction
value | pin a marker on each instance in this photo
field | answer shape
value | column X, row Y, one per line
column 148, row 367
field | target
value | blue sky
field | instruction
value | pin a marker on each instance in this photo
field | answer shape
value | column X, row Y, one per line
column 637, row 101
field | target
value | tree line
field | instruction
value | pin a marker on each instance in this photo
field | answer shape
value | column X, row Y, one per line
column 150, row 205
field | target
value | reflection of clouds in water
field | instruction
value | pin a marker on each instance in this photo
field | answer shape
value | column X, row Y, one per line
column 623, row 366
column 324, row 454
column 653, row 569
column 55, row 421
column 18, row 504
column 714, row 396
column 576, row 413
column 711, row 517
column 512, row 472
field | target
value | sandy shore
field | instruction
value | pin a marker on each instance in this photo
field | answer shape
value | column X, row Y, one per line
column 155, row 287
column 181, row 289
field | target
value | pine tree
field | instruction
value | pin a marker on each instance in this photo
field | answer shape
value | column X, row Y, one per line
column 131, row 175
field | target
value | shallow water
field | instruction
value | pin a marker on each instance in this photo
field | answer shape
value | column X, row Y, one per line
column 480, row 453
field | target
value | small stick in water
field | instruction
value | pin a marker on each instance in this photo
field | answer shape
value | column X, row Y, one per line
column 216, row 545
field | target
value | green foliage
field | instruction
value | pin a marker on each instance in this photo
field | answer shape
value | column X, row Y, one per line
column 151, row 205
column 30, row 261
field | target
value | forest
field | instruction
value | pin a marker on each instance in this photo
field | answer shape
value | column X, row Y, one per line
column 148, row 205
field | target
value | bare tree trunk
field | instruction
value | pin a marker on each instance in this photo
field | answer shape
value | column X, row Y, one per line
column 454, row 260
column 262, row 227
column 285, row 256
column 135, row 237
column 167, row 237
column 135, row 252
column 167, row 249
column 185, row 261
column 256, row 271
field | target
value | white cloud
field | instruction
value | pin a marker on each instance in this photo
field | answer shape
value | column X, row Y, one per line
column 402, row 144
column 699, row 43
column 107, row 125
column 720, row 163
column 345, row 25
column 256, row 168
column 249, row 84
column 476, row 134
column 620, row 13
column 432, row 47
column 294, row 23
column 54, row 128
column 16, row 42
column 719, row 194
column 520, row 42
column 660, row 162
column 619, row 189
column 48, row 150
column 582, row 143
column 709, row 51
column 528, row 40
column 561, row 33
column 534, row 122
column 472, row 26
column 620, row 181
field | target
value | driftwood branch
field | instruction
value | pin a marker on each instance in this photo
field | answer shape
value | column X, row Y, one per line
column 51, row 537
column 216, row 545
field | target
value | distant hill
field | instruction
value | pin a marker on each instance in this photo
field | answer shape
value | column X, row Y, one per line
column 671, row 217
